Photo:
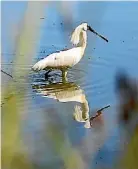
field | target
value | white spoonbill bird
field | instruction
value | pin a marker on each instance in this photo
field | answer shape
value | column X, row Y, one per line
column 65, row 59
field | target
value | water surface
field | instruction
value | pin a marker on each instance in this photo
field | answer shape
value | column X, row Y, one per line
column 92, row 79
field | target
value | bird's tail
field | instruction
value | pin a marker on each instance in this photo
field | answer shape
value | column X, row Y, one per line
column 39, row 65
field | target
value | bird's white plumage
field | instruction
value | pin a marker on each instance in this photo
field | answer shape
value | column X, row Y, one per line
column 69, row 57
column 60, row 59
column 75, row 37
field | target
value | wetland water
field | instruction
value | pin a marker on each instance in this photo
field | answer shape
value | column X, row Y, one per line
column 90, row 83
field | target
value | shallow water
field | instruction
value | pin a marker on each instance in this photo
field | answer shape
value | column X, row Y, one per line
column 92, row 78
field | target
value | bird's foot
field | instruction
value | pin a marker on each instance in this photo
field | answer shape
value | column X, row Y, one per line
column 47, row 75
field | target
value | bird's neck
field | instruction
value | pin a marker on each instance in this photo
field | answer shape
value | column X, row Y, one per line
column 85, row 112
column 83, row 41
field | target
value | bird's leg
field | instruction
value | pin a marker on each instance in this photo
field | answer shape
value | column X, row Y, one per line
column 47, row 74
column 64, row 75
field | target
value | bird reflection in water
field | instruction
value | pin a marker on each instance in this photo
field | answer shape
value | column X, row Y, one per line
column 70, row 92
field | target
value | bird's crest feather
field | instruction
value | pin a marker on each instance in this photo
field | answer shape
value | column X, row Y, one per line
column 75, row 37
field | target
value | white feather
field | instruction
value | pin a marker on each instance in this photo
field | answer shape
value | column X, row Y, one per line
column 69, row 57
column 75, row 38
column 60, row 59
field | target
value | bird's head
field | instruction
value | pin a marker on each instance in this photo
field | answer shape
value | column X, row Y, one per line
column 83, row 28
